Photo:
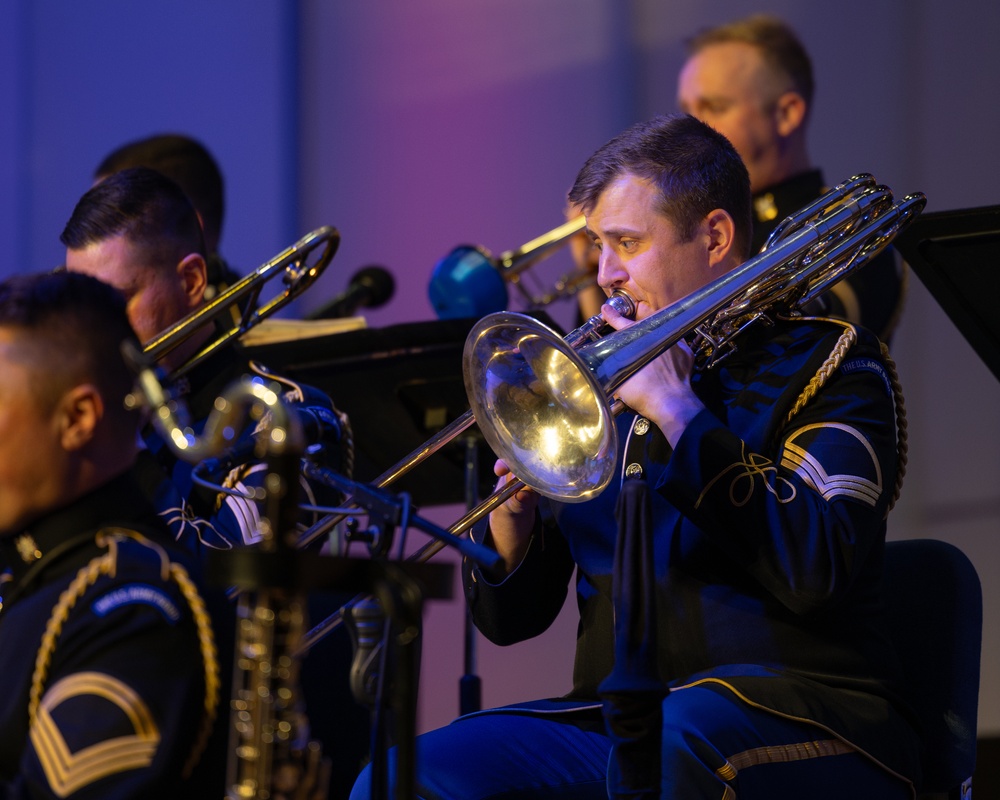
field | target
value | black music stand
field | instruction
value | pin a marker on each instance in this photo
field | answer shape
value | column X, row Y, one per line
column 956, row 255
column 399, row 386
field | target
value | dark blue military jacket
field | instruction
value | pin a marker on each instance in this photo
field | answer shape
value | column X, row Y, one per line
column 111, row 681
column 769, row 524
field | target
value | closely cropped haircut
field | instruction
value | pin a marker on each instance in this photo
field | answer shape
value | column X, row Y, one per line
column 694, row 167
column 778, row 43
column 72, row 327
column 185, row 161
column 148, row 209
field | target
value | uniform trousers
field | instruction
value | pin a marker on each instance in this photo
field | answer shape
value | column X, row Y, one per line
column 713, row 747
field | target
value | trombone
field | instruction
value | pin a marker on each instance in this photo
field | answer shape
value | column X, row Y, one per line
column 543, row 403
column 565, row 446
column 299, row 265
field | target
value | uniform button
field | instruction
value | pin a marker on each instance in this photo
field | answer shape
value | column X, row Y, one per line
column 641, row 426
column 633, row 470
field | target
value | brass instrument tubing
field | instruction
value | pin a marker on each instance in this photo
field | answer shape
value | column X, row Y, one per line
column 589, row 331
column 332, row 622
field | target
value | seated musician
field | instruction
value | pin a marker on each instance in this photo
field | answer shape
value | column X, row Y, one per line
column 110, row 671
column 767, row 479
column 137, row 231
column 188, row 163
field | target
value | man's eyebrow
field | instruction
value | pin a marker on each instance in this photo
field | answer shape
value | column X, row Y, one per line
column 619, row 232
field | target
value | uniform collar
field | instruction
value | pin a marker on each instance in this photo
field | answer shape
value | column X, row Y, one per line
column 778, row 201
column 46, row 536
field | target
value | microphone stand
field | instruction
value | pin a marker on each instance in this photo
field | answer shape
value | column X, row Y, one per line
column 470, row 684
column 400, row 597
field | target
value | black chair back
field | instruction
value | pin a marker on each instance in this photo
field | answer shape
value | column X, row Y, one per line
column 936, row 615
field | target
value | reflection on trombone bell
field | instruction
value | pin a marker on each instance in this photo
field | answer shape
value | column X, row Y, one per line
column 471, row 282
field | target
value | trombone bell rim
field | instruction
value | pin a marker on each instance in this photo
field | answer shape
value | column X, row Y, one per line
column 544, row 405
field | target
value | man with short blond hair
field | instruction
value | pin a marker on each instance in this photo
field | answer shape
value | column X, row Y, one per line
column 752, row 80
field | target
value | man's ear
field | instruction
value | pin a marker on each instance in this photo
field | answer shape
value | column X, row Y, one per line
column 78, row 414
column 721, row 232
column 789, row 113
column 193, row 273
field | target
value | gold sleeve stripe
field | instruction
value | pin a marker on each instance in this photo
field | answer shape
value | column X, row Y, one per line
column 797, row 459
column 67, row 772
column 779, row 754
column 86, row 577
column 811, row 471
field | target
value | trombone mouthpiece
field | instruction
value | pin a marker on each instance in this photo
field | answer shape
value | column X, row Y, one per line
column 591, row 330
column 622, row 302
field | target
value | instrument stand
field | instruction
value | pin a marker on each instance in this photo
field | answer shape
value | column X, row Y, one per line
column 387, row 630
column 402, row 599
column 400, row 589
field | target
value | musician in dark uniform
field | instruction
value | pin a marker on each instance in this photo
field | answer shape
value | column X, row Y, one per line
column 188, row 163
column 138, row 231
column 752, row 80
column 760, row 488
column 111, row 677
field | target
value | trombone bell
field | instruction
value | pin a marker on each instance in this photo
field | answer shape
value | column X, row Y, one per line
column 545, row 406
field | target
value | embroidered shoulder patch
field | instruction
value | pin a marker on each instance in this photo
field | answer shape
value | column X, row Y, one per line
column 137, row 594
column 868, row 365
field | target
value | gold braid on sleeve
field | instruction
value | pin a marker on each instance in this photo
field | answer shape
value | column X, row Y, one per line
column 902, row 437
column 833, row 361
column 828, row 367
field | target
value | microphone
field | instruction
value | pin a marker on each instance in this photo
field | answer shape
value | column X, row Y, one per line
column 371, row 287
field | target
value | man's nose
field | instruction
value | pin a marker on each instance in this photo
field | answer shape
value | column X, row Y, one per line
column 609, row 270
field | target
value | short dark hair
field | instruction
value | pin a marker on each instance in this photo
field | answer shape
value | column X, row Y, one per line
column 184, row 160
column 778, row 43
column 695, row 168
column 146, row 208
column 74, row 327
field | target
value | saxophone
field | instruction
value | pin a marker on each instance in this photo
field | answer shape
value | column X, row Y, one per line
column 270, row 754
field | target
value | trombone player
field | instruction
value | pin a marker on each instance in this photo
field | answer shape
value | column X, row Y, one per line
column 136, row 230
column 760, row 488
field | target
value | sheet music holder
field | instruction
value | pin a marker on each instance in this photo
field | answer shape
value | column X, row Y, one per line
column 956, row 255
column 399, row 385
